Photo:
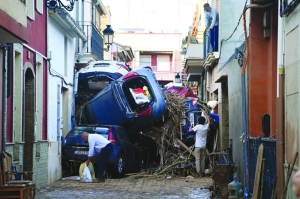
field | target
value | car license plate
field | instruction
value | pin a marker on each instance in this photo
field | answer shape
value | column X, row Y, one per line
column 81, row 152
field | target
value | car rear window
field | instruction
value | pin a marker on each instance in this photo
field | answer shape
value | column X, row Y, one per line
column 102, row 65
column 137, row 85
column 74, row 137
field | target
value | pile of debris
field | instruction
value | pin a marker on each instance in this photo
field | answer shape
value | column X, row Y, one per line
column 175, row 156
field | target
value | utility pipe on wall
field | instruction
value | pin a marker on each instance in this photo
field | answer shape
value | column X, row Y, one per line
column 280, row 104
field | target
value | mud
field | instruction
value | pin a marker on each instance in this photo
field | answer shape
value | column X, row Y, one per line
column 128, row 188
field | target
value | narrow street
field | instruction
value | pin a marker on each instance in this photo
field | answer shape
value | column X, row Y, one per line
column 148, row 96
column 129, row 188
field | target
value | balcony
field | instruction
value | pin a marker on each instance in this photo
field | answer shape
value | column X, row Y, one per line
column 211, row 60
column 193, row 62
column 94, row 44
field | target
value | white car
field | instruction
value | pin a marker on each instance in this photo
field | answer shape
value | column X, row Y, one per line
column 97, row 74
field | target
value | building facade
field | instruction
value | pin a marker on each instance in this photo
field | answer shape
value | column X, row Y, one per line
column 75, row 39
column 13, row 29
column 25, row 83
column 161, row 51
column 245, row 91
column 288, row 90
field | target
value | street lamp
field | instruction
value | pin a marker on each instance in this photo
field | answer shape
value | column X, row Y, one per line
column 108, row 36
column 57, row 4
column 177, row 78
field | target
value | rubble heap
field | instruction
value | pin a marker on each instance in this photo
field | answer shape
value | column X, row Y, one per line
column 175, row 156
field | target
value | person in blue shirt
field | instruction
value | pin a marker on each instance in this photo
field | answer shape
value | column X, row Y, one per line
column 212, row 25
column 99, row 150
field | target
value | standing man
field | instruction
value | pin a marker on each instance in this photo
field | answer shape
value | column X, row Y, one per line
column 99, row 150
column 212, row 25
column 200, row 144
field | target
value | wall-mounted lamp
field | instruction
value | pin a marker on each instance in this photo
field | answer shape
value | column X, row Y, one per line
column 108, row 37
column 57, row 4
column 239, row 56
column 177, row 78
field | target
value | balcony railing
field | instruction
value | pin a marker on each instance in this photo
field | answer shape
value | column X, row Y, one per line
column 95, row 40
column 206, row 45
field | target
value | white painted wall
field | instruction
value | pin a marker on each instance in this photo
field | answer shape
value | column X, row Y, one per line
column 56, row 35
column 292, row 99
column 227, row 23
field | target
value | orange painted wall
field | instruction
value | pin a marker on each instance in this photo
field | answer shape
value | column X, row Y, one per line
column 262, row 71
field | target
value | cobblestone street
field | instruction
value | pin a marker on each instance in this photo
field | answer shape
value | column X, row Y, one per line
column 128, row 188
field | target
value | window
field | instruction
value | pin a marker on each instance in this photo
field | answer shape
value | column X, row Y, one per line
column 58, row 117
column 17, row 95
column 163, row 63
column 39, row 97
column 65, row 56
column 145, row 60
column 39, row 6
column 30, row 9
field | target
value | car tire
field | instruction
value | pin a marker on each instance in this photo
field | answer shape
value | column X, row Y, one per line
column 118, row 168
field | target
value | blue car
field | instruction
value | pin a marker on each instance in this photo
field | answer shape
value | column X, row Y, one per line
column 134, row 101
column 126, row 156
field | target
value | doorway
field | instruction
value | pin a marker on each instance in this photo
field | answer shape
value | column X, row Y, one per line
column 28, row 121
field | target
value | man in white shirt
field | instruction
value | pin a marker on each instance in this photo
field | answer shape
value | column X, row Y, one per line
column 200, row 144
column 212, row 25
column 99, row 149
column 296, row 183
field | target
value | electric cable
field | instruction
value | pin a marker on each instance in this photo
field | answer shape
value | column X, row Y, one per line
column 235, row 29
column 51, row 72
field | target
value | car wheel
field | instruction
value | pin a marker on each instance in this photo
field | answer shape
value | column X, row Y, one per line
column 118, row 168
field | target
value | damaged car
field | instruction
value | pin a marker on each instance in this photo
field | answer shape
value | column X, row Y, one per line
column 94, row 77
column 126, row 156
column 133, row 101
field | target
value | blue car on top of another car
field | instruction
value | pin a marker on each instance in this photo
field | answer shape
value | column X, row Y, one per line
column 134, row 101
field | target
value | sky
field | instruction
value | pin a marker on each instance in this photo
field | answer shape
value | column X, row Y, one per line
column 152, row 15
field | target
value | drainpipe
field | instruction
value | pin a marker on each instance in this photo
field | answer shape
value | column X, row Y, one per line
column 80, row 54
column 6, row 61
column 244, row 111
column 280, row 104
column 202, row 87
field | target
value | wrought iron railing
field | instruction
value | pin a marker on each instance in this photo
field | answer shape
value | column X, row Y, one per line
column 94, row 40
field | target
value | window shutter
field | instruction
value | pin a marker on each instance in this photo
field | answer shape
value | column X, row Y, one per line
column 39, row 6
column 163, row 63
column 145, row 60
column 30, row 9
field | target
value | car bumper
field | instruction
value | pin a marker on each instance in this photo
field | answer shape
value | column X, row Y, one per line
column 79, row 153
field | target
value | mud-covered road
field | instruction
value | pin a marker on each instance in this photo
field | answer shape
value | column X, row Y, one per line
column 128, row 188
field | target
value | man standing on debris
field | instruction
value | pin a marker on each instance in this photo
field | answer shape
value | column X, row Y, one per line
column 200, row 144
column 99, row 150
column 212, row 25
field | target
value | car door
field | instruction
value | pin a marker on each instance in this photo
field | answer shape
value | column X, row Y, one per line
column 130, row 156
